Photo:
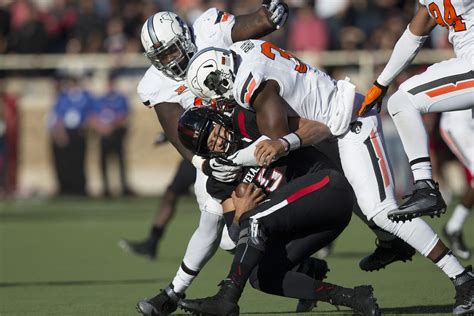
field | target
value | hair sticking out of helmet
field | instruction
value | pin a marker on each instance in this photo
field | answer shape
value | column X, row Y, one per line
column 207, row 132
column 168, row 44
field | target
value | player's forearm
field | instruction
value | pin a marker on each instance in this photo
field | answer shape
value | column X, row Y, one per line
column 312, row 132
column 404, row 52
column 254, row 25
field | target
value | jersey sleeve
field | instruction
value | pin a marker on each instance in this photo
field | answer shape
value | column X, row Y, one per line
column 214, row 29
column 155, row 88
column 245, row 85
column 220, row 191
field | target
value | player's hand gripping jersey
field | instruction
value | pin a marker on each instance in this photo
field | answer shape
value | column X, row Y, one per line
column 311, row 93
column 458, row 17
column 212, row 28
column 298, row 163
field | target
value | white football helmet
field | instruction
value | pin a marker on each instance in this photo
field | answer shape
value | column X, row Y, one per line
column 168, row 43
column 210, row 74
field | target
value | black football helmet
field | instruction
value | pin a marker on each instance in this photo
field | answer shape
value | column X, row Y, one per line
column 195, row 126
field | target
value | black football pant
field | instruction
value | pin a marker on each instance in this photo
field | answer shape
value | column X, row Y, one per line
column 300, row 218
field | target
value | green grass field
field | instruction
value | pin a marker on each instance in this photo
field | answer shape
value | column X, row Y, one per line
column 60, row 257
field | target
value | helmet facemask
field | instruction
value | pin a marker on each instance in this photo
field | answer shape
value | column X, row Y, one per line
column 208, row 133
column 172, row 58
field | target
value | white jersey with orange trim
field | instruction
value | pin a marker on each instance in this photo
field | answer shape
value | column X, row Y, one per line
column 308, row 91
column 458, row 17
column 212, row 28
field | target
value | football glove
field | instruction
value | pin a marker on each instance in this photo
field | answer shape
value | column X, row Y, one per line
column 277, row 12
column 374, row 97
column 221, row 169
column 246, row 157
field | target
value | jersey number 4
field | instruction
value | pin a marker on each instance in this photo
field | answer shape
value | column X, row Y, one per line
column 268, row 48
column 450, row 16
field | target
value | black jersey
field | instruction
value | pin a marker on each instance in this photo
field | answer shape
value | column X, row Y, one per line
column 298, row 163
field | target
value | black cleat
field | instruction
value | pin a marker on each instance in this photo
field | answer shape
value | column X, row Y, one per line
column 317, row 269
column 425, row 200
column 142, row 248
column 458, row 247
column 464, row 284
column 386, row 253
column 224, row 303
column 165, row 303
column 361, row 299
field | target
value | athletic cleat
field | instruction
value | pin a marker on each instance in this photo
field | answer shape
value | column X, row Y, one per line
column 386, row 253
column 317, row 269
column 425, row 200
column 142, row 248
column 165, row 303
column 464, row 284
column 458, row 247
column 224, row 303
column 361, row 299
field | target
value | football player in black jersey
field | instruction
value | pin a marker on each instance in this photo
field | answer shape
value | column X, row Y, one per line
column 286, row 211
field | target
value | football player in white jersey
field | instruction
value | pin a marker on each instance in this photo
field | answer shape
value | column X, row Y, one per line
column 169, row 44
column 445, row 86
column 457, row 131
column 268, row 80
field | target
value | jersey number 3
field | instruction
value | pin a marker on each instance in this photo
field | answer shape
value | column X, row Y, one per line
column 267, row 48
column 450, row 16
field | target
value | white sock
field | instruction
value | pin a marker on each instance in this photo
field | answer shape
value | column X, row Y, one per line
column 450, row 265
column 412, row 133
column 182, row 280
column 456, row 221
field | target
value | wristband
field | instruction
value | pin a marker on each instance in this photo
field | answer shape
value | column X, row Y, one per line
column 293, row 140
column 285, row 144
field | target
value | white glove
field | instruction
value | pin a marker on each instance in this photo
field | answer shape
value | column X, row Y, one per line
column 246, row 157
column 221, row 169
column 278, row 12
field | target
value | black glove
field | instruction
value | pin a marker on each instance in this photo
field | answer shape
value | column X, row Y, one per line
column 277, row 12
column 221, row 169
column 165, row 303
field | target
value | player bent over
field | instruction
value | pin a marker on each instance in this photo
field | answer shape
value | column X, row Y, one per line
column 275, row 85
column 307, row 205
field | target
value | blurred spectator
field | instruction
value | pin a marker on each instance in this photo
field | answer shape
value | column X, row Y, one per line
column 110, row 121
column 68, row 122
column 59, row 20
column 116, row 41
column 4, row 28
column 89, row 27
column 307, row 31
column 8, row 142
column 28, row 34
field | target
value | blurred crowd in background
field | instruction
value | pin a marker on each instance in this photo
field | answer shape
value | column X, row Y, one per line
column 93, row 26
column 113, row 27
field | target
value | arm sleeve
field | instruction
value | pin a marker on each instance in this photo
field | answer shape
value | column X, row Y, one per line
column 404, row 52
column 214, row 29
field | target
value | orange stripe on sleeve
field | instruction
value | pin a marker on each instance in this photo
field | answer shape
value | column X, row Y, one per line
column 451, row 88
column 250, row 89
